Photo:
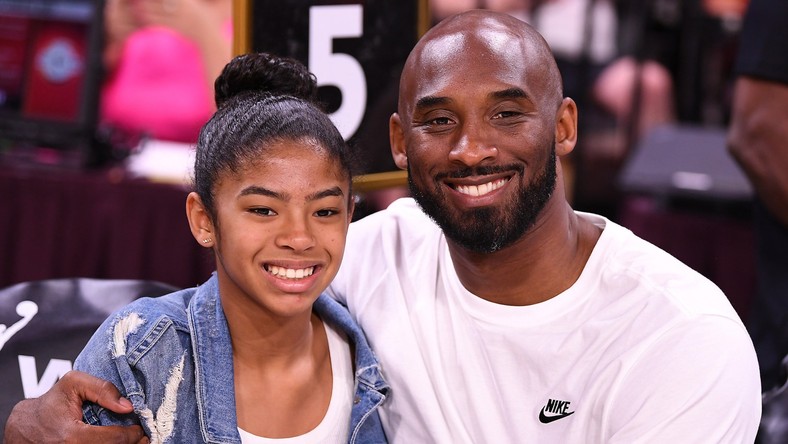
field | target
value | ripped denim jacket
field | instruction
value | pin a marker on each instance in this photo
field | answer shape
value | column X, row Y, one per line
column 171, row 356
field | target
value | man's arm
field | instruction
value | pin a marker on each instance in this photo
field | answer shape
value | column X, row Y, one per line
column 758, row 140
column 56, row 416
column 697, row 382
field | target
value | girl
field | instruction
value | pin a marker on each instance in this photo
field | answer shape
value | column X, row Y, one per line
column 255, row 354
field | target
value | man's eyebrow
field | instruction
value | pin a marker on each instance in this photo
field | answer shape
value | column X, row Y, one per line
column 258, row 190
column 430, row 101
column 509, row 93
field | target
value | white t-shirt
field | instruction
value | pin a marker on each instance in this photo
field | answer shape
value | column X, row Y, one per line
column 335, row 426
column 640, row 349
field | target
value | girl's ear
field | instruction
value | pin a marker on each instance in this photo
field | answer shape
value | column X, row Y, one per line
column 351, row 207
column 200, row 221
column 566, row 127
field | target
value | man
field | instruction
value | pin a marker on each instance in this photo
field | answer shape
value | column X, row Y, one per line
column 514, row 319
column 759, row 142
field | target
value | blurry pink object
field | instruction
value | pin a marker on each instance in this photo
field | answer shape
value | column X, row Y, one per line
column 158, row 88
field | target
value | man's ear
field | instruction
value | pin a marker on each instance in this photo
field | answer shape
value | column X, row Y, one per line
column 566, row 127
column 200, row 222
column 397, row 141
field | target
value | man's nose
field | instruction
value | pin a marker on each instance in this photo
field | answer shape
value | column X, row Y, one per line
column 474, row 146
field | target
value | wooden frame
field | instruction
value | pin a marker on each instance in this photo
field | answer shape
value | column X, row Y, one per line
column 242, row 23
column 242, row 44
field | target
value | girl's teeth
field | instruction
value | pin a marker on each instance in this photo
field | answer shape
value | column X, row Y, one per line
column 290, row 273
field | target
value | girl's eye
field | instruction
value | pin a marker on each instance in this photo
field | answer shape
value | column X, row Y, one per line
column 326, row 213
column 262, row 211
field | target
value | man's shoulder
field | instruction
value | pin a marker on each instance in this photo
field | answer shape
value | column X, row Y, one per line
column 624, row 260
column 403, row 220
column 401, row 210
column 399, row 238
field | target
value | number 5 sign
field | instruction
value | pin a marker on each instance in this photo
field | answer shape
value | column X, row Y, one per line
column 333, row 68
column 356, row 50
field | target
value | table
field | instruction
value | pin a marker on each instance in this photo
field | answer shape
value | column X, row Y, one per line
column 97, row 223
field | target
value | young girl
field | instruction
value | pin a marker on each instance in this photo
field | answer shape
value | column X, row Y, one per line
column 255, row 354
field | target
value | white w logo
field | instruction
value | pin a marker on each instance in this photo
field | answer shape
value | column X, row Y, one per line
column 26, row 309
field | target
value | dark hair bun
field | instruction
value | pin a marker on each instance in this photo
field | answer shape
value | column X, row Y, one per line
column 265, row 73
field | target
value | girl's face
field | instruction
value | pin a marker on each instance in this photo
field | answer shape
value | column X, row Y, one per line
column 282, row 223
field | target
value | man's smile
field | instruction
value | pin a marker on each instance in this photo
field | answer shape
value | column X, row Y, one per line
column 482, row 189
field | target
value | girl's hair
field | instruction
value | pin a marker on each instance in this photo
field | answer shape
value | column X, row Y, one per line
column 262, row 98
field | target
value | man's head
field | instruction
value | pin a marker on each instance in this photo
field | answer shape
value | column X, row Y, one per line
column 481, row 119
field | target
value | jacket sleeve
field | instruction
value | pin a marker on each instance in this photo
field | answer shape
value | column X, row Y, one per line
column 99, row 359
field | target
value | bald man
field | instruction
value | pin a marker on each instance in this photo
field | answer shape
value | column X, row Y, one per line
column 499, row 314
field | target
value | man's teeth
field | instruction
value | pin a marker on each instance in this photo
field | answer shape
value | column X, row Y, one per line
column 481, row 190
column 290, row 273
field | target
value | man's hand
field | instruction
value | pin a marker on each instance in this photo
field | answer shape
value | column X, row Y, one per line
column 56, row 416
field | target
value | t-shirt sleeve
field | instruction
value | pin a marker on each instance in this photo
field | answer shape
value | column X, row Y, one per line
column 763, row 42
column 699, row 382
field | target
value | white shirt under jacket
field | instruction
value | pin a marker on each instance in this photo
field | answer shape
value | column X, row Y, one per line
column 640, row 349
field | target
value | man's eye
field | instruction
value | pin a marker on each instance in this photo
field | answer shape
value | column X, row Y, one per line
column 505, row 114
column 439, row 121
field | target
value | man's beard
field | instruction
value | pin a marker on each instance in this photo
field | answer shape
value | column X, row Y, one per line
column 489, row 229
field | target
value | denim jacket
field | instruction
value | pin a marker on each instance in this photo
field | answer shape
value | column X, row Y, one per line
column 171, row 356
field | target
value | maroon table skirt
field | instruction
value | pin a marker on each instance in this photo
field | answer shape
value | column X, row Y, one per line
column 99, row 224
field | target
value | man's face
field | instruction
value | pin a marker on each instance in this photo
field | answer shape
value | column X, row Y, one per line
column 487, row 229
column 479, row 134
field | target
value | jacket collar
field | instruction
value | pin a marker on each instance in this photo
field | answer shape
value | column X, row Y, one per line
column 213, row 354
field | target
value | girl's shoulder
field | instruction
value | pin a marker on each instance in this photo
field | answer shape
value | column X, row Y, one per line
column 148, row 318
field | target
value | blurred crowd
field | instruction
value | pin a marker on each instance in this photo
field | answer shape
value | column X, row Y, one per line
column 630, row 65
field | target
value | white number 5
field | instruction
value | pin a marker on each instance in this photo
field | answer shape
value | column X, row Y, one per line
column 341, row 70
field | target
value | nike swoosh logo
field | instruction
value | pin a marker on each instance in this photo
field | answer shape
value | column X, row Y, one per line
column 544, row 419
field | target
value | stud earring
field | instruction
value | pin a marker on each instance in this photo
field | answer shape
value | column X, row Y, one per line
column 207, row 240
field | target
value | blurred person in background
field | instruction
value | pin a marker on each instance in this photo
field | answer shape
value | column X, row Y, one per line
column 161, row 59
column 758, row 140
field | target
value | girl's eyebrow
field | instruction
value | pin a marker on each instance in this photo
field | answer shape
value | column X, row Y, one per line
column 258, row 190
